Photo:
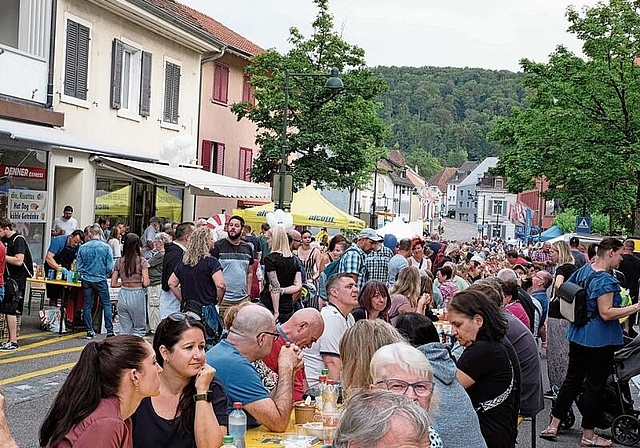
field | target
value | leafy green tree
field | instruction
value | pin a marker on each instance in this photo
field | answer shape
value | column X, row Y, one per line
column 567, row 222
column 331, row 140
column 581, row 126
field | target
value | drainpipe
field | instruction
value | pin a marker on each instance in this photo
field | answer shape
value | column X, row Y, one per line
column 52, row 49
column 202, row 63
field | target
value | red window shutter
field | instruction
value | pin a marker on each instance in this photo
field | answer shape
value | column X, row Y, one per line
column 247, row 90
column 246, row 159
column 220, row 158
column 220, row 83
column 205, row 155
column 224, row 84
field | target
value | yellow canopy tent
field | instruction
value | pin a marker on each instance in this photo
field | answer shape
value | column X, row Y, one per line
column 310, row 209
column 117, row 203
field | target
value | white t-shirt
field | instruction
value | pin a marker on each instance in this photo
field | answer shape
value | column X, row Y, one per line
column 335, row 325
column 68, row 225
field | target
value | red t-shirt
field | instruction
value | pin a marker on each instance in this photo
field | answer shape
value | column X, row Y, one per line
column 3, row 255
column 271, row 361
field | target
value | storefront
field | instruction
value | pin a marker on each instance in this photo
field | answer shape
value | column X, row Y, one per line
column 23, row 193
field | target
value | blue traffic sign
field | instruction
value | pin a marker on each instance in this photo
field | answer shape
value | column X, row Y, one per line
column 583, row 224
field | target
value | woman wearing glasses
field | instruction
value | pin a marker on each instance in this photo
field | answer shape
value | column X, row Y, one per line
column 403, row 370
column 488, row 368
column 190, row 411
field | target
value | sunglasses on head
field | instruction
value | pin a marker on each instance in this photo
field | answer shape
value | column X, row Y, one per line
column 179, row 316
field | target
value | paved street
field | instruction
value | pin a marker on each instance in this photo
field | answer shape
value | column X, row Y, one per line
column 458, row 230
column 31, row 377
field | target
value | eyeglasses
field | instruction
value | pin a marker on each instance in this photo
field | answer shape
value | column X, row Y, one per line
column 179, row 317
column 420, row 388
column 270, row 333
column 298, row 241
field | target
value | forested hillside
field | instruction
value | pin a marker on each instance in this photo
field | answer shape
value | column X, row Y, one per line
column 441, row 115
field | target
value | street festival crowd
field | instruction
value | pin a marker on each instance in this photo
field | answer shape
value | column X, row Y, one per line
column 433, row 343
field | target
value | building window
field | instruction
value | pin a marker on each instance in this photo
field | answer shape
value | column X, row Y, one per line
column 170, row 110
column 246, row 159
column 499, row 207
column 130, row 79
column 76, row 60
column 220, row 83
column 247, row 90
column 212, row 156
column 498, row 183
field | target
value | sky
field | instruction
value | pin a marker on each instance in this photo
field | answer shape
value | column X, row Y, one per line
column 492, row 34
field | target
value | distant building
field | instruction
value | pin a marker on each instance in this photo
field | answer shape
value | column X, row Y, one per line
column 466, row 198
column 452, row 185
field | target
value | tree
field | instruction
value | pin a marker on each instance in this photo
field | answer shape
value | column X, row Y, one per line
column 581, row 127
column 331, row 141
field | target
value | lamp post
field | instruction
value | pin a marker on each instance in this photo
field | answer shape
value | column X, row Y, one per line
column 283, row 183
column 374, row 218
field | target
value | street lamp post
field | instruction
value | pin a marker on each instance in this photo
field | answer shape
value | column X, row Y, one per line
column 284, row 182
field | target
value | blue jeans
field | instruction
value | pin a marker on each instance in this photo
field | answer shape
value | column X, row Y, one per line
column 102, row 289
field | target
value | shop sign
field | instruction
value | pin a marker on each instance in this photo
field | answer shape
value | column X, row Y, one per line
column 27, row 205
column 23, row 172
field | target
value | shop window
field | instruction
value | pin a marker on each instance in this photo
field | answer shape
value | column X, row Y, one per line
column 169, row 204
column 113, row 200
column 220, row 83
column 76, row 60
column 23, row 194
column 171, row 109
column 212, row 156
column 130, row 79
column 246, row 159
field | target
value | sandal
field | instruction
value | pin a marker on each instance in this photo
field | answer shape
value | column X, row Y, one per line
column 596, row 441
column 550, row 433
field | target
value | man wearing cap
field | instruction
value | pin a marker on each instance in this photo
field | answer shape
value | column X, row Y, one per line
column 578, row 257
column 352, row 260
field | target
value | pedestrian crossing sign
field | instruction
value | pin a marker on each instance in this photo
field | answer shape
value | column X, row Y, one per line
column 583, row 224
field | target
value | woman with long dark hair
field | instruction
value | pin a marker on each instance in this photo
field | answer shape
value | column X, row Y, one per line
column 102, row 391
column 591, row 345
column 131, row 274
column 190, row 411
column 374, row 302
column 488, row 368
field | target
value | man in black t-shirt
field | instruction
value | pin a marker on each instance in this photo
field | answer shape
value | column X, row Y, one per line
column 20, row 266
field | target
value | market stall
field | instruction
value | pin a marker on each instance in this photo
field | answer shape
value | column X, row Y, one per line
column 310, row 209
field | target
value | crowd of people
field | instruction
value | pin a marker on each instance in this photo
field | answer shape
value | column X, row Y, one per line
column 433, row 343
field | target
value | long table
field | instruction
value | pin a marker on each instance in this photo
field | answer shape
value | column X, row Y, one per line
column 65, row 294
column 261, row 437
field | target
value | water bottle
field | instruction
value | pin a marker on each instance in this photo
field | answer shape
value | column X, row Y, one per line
column 322, row 380
column 228, row 442
column 238, row 425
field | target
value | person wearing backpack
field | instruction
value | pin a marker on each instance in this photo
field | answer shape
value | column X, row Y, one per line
column 19, row 265
column 591, row 346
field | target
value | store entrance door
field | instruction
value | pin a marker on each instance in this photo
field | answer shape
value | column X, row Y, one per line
column 143, row 198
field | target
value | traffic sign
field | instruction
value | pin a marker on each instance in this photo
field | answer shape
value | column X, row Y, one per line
column 583, row 224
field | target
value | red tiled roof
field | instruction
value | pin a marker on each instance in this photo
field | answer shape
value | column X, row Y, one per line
column 210, row 25
column 440, row 179
column 396, row 157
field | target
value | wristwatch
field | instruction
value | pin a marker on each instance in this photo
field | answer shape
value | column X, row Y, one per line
column 208, row 396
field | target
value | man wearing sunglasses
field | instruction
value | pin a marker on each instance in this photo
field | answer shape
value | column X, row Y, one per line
column 251, row 337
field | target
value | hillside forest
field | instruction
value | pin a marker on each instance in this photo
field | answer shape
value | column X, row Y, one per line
column 440, row 116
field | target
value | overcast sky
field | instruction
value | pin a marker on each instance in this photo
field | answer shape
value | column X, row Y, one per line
column 492, row 34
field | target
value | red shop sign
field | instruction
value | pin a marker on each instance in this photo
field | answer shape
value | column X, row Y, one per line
column 25, row 172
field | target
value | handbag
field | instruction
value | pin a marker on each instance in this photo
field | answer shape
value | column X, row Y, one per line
column 554, row 309
column 573, row 301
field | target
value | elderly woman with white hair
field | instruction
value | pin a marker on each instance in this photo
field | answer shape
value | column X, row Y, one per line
column 155, row 280
column 381, row 419
column 404, row 370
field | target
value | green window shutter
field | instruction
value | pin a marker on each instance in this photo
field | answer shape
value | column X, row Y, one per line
column 145, row 85
column 116, row 73
column 71, row 59
column 76, row 60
